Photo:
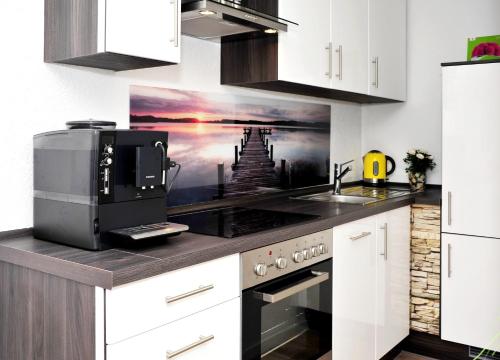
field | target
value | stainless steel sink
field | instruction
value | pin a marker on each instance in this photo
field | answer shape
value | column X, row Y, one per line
column 344, row 199
column 359, row 195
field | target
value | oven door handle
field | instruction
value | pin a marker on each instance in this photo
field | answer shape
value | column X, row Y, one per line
column 318, row 278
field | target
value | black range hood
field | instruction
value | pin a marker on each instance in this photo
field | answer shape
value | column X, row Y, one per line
column 213, row 19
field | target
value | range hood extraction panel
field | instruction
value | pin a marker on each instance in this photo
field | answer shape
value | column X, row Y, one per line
column 213, row 19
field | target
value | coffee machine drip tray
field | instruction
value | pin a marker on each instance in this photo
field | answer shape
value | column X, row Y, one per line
column 143, row 232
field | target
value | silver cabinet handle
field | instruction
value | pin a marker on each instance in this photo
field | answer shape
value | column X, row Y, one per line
column 339, row 52
column 384, row 254
column 203, row 340
column 330, row 61
column 449, row 260
column 375, row 62
column 360, row 236
column 318, row 278
column 175, row 40
column 449, row 208
column 201, row 289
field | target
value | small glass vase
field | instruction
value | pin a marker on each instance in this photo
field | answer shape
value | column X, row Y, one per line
column 417, row 181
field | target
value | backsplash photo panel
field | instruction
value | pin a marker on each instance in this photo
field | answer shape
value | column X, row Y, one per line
column 231, row 145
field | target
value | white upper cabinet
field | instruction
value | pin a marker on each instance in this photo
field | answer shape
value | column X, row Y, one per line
column 113, row 34
column 471, row 291
column 147, row 28
column 357, row 46
column 471, row 126
column 387, row 49
column 304, row 53
column 350, row 45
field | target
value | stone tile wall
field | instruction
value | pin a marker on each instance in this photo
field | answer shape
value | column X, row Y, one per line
column 425, row 268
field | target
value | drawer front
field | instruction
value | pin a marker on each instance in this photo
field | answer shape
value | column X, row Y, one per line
column 144, row 305
column 211, row 334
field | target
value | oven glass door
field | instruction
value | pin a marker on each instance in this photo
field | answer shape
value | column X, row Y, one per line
column 290, row 317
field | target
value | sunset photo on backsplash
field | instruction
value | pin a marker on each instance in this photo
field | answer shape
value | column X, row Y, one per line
column 230, row 145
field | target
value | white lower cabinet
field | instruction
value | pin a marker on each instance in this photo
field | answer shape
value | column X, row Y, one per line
column 393, row 279
column 371, row 285
column 162, row 299
column 470, row 283
column 211, row 334
column 354, row 266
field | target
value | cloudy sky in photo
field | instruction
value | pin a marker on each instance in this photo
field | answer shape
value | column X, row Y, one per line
column 179, row 104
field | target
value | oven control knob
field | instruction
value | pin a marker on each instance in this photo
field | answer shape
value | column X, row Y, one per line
column 298, row 256
column 108, row 149
column 323, row 249
column 260, row 269
column 315, row 251
column 281, row 262
column 307, row 254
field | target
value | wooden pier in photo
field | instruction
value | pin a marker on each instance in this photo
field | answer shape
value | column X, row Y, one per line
column 254, row 165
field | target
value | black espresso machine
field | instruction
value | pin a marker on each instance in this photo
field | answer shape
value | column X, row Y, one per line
column 96, row 187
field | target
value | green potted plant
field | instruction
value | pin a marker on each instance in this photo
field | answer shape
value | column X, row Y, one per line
column 418, row 162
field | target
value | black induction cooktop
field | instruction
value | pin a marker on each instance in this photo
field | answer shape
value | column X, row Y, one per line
column 232, row 222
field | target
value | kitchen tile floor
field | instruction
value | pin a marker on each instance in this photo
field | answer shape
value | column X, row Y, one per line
column 409, row 356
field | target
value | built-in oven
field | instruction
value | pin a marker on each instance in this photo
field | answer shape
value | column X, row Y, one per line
column 287, row 300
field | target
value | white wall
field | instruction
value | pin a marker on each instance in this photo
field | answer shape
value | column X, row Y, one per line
column 38, row 97
column 437, row 32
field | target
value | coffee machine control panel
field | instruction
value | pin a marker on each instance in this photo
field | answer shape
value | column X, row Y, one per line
column 105, row 168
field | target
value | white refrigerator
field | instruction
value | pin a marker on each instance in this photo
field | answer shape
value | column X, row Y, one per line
column 470, row 271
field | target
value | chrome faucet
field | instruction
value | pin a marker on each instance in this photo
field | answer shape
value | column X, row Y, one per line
column 338, row 174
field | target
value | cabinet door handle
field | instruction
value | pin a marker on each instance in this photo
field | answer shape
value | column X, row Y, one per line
column 384, row 254
column 360, row 236
column 449, row 208
column 201, row 289
column 375, row 62
column 449, row 260
column 201, row 341
column 330, row 60
column 341, row 58
column 175, row 40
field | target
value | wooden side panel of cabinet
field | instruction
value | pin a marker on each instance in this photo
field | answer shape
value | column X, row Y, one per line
column 70, row 29
column 45, row 317
column 249, row 61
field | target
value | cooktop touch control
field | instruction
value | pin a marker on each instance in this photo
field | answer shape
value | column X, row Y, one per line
column 266, row 263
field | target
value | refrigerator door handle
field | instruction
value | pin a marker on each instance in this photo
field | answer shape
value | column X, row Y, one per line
column 449, row 260
column 449, row 208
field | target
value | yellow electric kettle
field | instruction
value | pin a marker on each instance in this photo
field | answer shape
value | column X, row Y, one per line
column 375, row 168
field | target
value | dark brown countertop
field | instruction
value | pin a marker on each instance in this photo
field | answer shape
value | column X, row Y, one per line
column 111, row 268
